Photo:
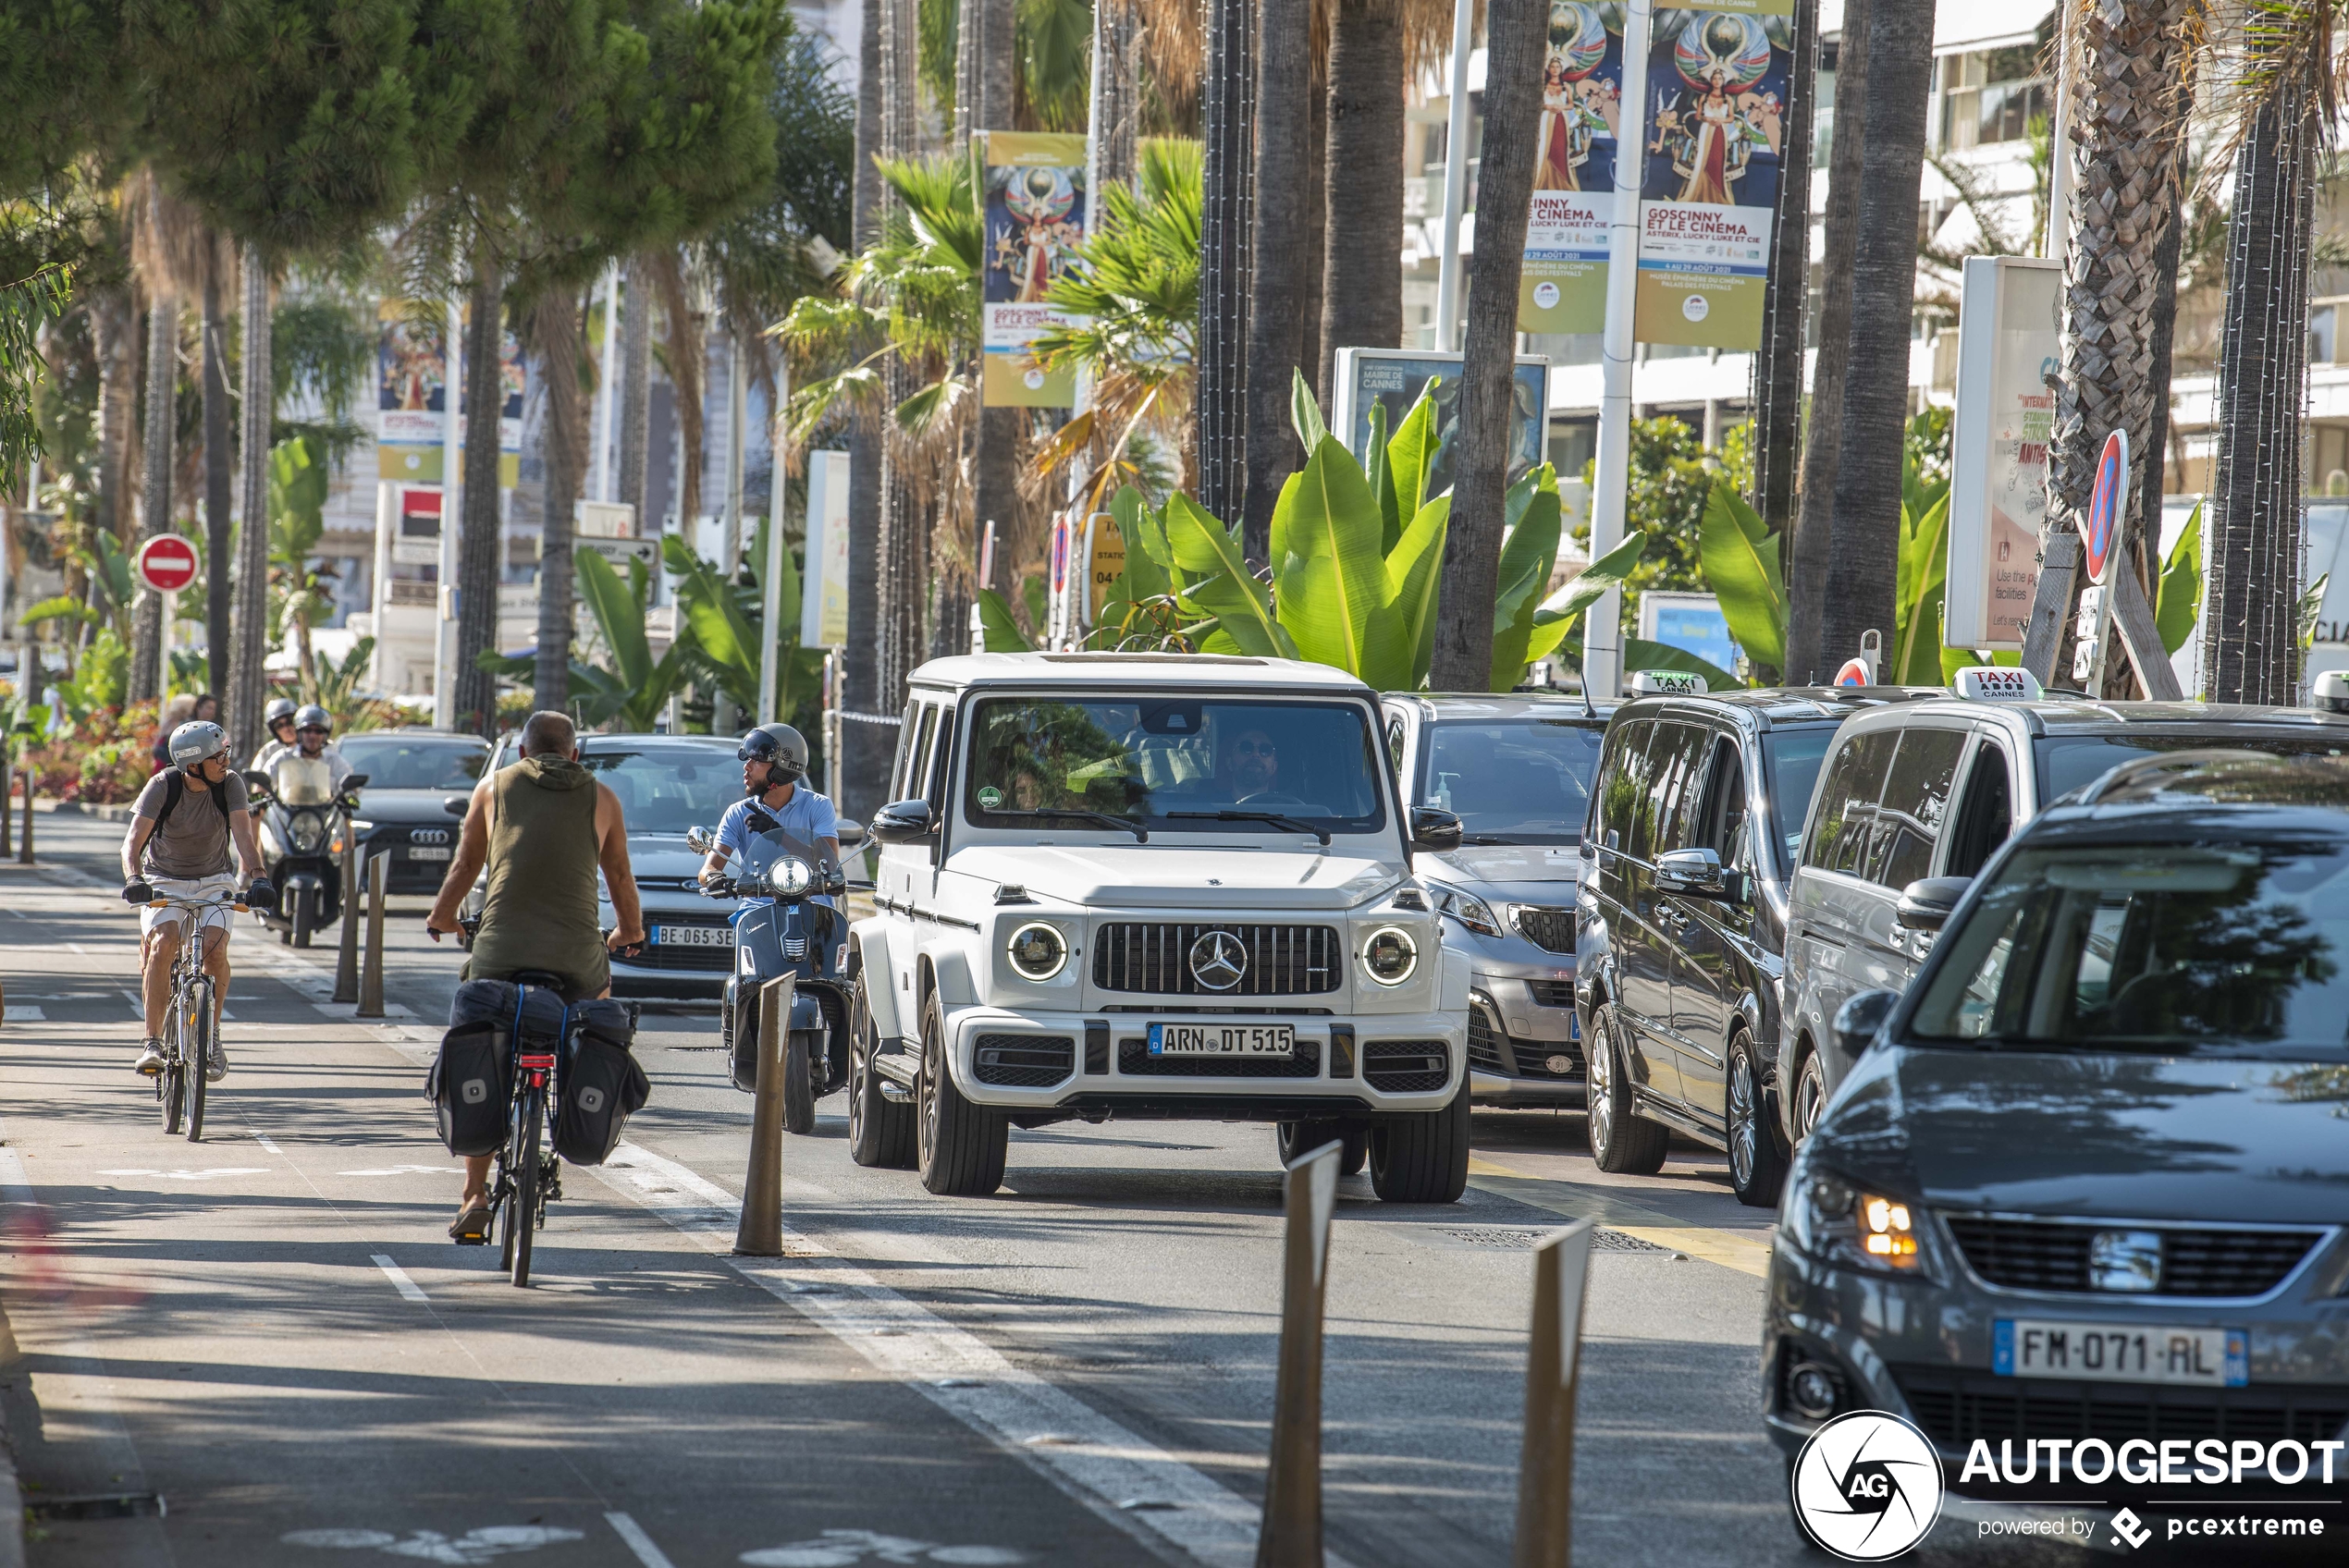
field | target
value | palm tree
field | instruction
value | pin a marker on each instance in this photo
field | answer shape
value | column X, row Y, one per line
column 1806, row 571
column 864, row 745
column 1863, row 556
column 1280, row 255
column 162, row 404
column 1227, row 112
column 1776, row 396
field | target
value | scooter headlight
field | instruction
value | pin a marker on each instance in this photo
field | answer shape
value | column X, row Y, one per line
column 789, row 877
column 306, row 833
column 1036, row 952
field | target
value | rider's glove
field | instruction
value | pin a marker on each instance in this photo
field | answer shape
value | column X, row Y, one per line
column 137, row 893
column 719, row 886
column 261, row 895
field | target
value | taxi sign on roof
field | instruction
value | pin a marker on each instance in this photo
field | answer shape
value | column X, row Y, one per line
column 1992, row 684
column 1667, row 683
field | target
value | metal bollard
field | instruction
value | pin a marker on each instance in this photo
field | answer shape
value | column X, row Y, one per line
column 24, row 840
column 1545, row 1470
column 759, row 1232
column 371, row 972
column 347, row 954
column 1291, row 1534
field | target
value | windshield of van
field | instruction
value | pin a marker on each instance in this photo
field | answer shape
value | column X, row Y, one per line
column 2220, row 948
column 2071, row 762
column 1793, row 757
column 1174, row 765
column 1512, row 782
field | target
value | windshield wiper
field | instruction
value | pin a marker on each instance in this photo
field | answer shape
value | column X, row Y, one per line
column 1289, row 824
column 1484, row 838
column 1119, row 823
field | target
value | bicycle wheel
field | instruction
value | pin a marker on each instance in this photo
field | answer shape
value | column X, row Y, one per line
column 525, row 1198
column 198, row 1022
column 170, row 1088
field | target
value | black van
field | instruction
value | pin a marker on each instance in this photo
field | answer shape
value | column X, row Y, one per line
column 1680, row 919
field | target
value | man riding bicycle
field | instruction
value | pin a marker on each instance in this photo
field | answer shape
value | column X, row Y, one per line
column 182, row 830
column 540, row 829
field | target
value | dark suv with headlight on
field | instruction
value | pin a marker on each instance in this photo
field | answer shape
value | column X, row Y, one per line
column 2088, row 1178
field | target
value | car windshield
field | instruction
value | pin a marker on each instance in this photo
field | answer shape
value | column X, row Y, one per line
column 1174, row 765
column 2225, row 947
column 2069, row 762
column 407, row 762
column 1512, row 782
column 669, row 788
column 1793, row 757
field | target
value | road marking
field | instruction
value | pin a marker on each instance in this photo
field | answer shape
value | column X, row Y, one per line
column 1579, row 1200
column 205, row 1174
column 27, row 1015
column 638, row 1542
column 404, row 1170
column 846, row 1549
column 399, row 1280
column 266, row 1141
column 1102, row 1463
column 472, row 1547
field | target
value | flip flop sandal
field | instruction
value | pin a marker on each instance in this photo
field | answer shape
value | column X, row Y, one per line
column 471, row 1228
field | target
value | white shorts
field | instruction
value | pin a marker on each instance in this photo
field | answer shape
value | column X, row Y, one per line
column 151, row 919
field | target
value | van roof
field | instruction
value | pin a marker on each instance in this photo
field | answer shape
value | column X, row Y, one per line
column 1189, row 671
column 2081, row 716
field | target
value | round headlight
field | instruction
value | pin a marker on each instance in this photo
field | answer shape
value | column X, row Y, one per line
column 789, row 876
column 1036, row 952
column 1390, row 955
column 306, row 832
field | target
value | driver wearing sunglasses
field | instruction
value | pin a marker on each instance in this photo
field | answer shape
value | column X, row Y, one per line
column 1252, row 762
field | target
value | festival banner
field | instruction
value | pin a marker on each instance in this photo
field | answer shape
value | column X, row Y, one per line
column 1563, row 287
column 411, row 390
column 1032, row 184
column 1720, row 83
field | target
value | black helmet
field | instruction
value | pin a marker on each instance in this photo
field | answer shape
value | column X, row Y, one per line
column 781, row 748
column 277, row 713
column 314, row 717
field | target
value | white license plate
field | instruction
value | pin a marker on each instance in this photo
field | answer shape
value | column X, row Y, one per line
column 693, row 936
column 420, row 852
column 2111, row 1353
column 1222, row 1039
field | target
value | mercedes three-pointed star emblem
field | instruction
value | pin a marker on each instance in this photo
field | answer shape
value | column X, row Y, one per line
column 1218, row 960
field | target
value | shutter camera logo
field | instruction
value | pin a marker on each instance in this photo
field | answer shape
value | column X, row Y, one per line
column 1867, row 1487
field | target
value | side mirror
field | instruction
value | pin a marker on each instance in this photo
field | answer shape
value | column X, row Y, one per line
column 455, row 805
column 1693, row 871
column 1857, row 1021
column 355, row 783
column 1435, row 829
column 257, row 782
column 1926, row 905
column 906, row 822
column 851, row 832
column 701, row 840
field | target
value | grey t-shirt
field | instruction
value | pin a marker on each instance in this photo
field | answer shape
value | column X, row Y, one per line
column 195, row 842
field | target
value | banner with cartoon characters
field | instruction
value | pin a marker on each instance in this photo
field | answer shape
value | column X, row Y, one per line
column 1721, row 82
column 1031, row 185
column 412, row 392
column 1563, row 287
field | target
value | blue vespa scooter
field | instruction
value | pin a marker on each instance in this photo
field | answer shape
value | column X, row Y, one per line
column 778, row 931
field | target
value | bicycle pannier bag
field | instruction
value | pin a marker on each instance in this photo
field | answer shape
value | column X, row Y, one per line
column 602, row 1086
column 471, row 1078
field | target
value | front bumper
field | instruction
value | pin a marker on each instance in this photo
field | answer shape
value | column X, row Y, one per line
column 1045, row 1062
column 1525, row 1040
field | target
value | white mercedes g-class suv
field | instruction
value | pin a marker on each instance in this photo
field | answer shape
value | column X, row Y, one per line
column 1154, row 886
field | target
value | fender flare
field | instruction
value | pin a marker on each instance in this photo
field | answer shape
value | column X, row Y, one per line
column 868, row 953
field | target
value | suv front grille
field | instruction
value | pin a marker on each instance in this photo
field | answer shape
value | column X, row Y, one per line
column 1023, row 1061
column 1133, row 1059
column 1956, row 1406
column 1484, row 1042
column 1154, row 956
column 1406, row 1067
column 1549, row 929
column 2030, row 1255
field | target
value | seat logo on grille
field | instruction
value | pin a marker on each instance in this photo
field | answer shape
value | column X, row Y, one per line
column 428, row 836
column 2124, row 1260
column 1218, row 960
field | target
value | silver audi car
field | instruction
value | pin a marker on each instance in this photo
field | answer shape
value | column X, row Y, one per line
column 2083, row 1194
column 1516, row 768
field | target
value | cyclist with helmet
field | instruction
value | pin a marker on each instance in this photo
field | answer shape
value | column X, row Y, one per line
column 279, row 719
column 774, row 759
column 182, row 829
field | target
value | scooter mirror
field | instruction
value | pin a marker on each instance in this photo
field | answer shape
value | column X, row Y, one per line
column 701, row 840
column 257, row 783
column 355, row 783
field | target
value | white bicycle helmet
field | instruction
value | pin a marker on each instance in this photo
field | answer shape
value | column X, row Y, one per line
column 195, row 741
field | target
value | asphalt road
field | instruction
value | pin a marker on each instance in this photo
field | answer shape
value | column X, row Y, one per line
column 269, row 1332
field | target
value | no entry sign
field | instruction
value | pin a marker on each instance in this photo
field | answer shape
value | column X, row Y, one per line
column 166, row 563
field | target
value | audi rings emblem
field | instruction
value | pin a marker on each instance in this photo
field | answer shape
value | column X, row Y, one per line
column 429, row 836
column 1218, row 960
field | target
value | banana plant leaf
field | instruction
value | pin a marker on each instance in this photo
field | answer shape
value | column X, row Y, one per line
column 2177, row 603
column 1224, row 587
column 1529, row 551
column 1740, row 556
column 637, row 687
column 1305, row 412
column 1331, row 582
column 1003, row 635
column 1558, row 614
column 1916, row 654
column 1640, row 653
column 61, row 606
column 1414, row 572
column 1381, row 476
column 2312, row 605
column 1408, row 459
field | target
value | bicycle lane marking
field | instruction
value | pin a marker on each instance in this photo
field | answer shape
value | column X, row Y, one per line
column 408, row 1289
column 1160, row 1499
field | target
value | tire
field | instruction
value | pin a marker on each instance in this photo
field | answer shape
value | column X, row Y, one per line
column 959, row 1147
column 299, row 919
column 525, row 1198
column 1809, row 1098
column 1621, row 1144
column 201, row 1023
column 1294, row 1138
column 881, row 1130
column 1422, row 1158
column 799, row 1091
column 170, row 1088
column 1757, row 1163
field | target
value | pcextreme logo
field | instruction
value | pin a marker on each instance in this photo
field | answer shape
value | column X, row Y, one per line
column 1867, row 1487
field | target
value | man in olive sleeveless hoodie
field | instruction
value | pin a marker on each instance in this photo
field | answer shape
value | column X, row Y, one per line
column 541, row 829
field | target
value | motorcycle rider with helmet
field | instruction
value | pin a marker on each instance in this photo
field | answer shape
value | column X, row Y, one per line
column 279, row 719
column 182, row 829
column 774, row 759
column 313, row 736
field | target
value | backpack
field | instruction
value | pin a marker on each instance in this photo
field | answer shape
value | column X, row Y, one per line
column 175, row 788
column 602, row 1084
column 471, row 1078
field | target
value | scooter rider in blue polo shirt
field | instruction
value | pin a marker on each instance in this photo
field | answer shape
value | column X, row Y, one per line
column 774, row 759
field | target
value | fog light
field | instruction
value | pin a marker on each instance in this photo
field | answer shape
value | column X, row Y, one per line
column 1811, row 1391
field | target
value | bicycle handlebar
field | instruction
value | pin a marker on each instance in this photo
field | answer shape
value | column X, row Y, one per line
column 200, row 905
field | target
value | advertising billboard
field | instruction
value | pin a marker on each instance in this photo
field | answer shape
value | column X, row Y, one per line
column 1032, row 184
column 2008, row 346
column 1563, row 287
